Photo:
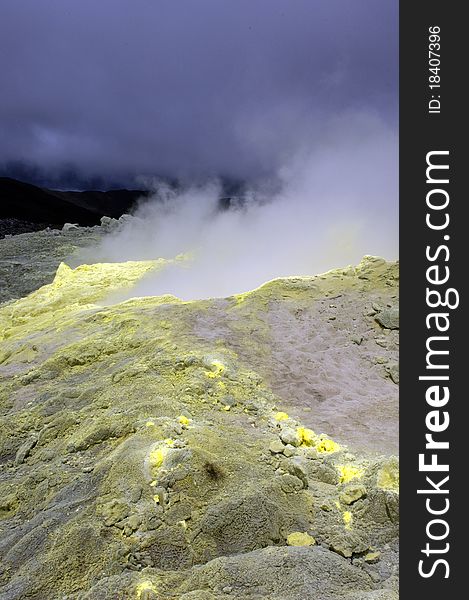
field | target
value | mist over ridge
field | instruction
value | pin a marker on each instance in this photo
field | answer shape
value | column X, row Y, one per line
column 297, row 103
column 333, row 203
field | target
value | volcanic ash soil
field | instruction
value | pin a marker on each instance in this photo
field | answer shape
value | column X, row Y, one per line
column 237, row 448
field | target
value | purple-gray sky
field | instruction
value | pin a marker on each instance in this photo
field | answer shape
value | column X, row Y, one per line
column 186, row 88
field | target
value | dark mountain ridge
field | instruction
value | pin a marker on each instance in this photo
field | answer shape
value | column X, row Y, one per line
column 30, row 203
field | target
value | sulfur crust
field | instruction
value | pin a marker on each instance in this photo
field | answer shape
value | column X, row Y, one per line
column 132, row 391
column 320, row 442
column 349, row 472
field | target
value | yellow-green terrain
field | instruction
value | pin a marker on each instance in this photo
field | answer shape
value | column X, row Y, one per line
column 236, row 448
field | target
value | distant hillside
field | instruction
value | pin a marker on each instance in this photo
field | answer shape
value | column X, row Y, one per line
column 34, row 204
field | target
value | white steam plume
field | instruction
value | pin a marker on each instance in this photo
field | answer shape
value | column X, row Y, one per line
column 337, row 201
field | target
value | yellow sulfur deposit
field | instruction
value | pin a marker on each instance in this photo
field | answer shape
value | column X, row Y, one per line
column 307, row 436
column 388, row 476
column 298, row 538
column 347, row 516
column 281, row 416
column 217, row 369
column 74, row 290
column 349, row 472
column 174, row 433
column 157, row 457
column 327, row 446
column 322, row 444
column 143, row 590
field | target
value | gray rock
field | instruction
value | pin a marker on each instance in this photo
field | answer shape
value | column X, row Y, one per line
column 276, row 572
column 389, row 317
column 240, row 524
column 290, row 436
column 352, row 493
column 109, row 223
column 229, row 401
column 70, row 226
column 297, row 467
column 30, row 260
column 24, row 450
column 393, row 371
column 289, row 450
column 290, row 483
column 276, row 447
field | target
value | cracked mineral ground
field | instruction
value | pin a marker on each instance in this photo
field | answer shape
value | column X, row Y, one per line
column 239, row 448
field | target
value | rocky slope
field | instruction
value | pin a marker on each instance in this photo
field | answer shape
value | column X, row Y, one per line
column 30, row 260
column 233, row 448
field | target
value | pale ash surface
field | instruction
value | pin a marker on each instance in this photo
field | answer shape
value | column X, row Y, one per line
column 321, row 348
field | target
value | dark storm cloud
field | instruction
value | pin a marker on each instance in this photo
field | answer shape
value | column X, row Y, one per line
column 120, row 88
